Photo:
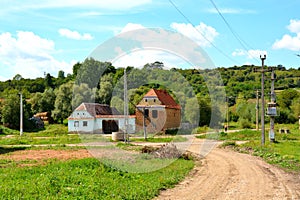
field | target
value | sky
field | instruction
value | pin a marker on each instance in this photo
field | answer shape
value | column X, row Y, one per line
column 45, row 36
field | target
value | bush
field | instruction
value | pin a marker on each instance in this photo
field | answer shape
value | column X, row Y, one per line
column 244, row 123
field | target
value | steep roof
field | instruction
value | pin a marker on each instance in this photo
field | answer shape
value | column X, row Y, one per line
column 164, row 97
column 95, row 109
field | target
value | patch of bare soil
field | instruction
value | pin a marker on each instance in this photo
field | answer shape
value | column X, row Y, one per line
column 40, row 156
column 225, row 174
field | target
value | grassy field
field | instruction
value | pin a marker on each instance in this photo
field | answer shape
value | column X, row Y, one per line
column 87, row 179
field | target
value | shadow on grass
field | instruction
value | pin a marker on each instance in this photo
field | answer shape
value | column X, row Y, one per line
column 4, row 150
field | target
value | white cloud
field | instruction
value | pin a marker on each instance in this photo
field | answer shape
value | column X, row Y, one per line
column 74, row 34
column 141, row 57
column 294, row 26
column 288, row 41
column 202, row 34
column 231, row 11
column 131, row 27
column 251, row 54
column 29, row 55
column 239, row 52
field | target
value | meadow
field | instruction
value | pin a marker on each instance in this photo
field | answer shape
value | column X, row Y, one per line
column 83, row 178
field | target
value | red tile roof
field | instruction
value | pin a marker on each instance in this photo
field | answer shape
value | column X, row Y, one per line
column 164, row 97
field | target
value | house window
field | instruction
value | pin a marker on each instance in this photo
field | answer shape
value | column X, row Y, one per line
column 154, row 113
column 84, row 123
column 146, row 100
column 146, row 112
column 154, row 100
column 76, row 124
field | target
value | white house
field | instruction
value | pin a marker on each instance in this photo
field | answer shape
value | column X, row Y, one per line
column 98, row 118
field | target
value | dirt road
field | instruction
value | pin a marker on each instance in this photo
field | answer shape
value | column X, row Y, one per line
column 225, row 174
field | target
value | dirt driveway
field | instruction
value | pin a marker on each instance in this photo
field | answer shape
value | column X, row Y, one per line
column 225, row 174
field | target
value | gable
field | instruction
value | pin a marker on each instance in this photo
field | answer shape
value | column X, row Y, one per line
column 159, row 97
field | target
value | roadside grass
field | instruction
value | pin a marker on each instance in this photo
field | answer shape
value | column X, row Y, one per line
column 88, row 179
column 243, row 135
column 285, row 152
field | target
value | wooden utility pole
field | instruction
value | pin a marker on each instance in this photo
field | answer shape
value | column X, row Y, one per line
column 257, row 110
column 272, row 108
column 262, row 100
column 125, row 108
column 21, row 114
column 227, row 105
column 144, row 124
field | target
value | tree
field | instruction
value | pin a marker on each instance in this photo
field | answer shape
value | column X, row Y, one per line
column 191, row 111
column 104, row 94
column 295, row 107
column 17, row 77
column 90, row 72
column 61, row 74
column 155, row 65
column 118, row 103
column 11, row 112
column 62, row 105
column 286, row 97
column 205, row 111
column 81, row 93
column 49, row 81
column 43, row 102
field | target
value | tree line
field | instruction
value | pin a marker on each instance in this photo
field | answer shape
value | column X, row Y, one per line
column 199, row 92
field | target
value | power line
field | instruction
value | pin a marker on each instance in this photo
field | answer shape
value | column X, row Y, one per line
column 189, row 21
column 239, row 39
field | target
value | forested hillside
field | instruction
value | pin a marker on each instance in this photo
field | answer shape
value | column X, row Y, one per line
column 95, row 81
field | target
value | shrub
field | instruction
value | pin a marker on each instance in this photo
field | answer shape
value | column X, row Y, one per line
column 244, row 123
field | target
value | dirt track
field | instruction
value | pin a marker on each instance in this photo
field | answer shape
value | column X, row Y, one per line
column 225, row 174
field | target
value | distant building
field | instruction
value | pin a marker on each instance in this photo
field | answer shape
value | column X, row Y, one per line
column 158, row 111
column 98, row 118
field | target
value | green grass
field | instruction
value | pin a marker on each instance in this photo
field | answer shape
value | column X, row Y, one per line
column 285, row 152
column 160, row 139
column 87, row 179
column 243, row 135
column 29, row 140
column 53, row 134
column 50, row 130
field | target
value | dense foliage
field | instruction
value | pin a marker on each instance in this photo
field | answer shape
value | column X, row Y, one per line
column 95, row 81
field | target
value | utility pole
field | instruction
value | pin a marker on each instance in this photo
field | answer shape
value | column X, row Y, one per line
column 144, row 124
column 257, row 110
column 262, row 100
column 227, row 114
column 21, row 114
column 272, row 108
column 125, row 107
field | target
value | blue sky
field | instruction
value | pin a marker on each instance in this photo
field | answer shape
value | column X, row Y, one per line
column 38, row 36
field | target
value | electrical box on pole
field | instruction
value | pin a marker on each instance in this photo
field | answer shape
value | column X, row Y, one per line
column 271, row 110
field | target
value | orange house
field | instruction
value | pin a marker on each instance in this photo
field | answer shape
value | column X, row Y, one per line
column 157, row 111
